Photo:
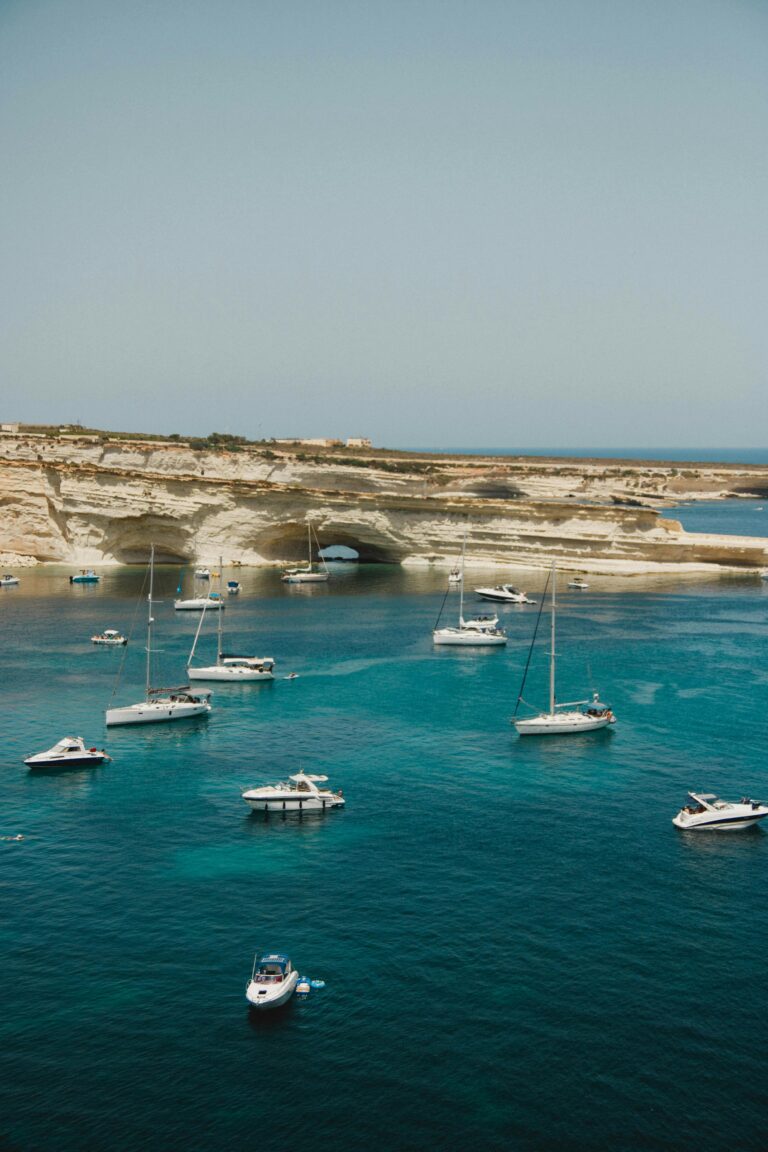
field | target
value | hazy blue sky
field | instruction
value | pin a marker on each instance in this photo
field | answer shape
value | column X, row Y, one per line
column 523, row 222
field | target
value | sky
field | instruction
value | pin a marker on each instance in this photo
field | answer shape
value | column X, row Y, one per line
column 430, row 222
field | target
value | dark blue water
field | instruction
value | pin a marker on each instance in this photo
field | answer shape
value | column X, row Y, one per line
column 520, row 950
column 693, row 455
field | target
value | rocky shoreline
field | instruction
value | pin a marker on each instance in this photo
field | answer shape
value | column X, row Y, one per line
column 95, row 500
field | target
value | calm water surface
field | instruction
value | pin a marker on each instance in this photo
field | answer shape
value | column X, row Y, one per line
column 520, row 950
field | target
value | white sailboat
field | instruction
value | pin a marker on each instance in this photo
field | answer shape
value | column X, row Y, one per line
column 229, row 667
column 160, row 704
column 306, row 575
column 561, row 719
column 480, row 632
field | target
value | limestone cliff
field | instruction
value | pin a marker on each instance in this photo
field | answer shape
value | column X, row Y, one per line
column 94, row 500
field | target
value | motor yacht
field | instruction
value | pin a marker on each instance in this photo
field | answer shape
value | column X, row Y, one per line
column 85, row 576
column 299, row 793
column 70, row 752
column 8, row 580
column 109, row 636
column 273, row 980
column 578, row 583
column 707, row 811
column 504, row 594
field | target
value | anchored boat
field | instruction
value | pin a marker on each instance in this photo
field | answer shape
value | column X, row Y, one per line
column 299, row 793
column 708, row 812
column 70, row 752
column 560, row 719
column 273, row 980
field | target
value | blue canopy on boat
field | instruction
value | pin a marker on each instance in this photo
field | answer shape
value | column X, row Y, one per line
column 275, row 958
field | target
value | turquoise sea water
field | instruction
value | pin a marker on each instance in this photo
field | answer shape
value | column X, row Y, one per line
column 520, row 950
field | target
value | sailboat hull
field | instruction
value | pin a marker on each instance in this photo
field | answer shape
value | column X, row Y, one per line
column 157, row 712
column 305, row 578
column 560, row 724
column 466, row 638
column 221, row 672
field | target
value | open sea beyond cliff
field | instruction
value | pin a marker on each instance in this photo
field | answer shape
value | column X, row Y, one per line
column 521, row 952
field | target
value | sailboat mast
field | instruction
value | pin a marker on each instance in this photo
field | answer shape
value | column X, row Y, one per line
column 552, row 651
column 461, row 584
column 309, row 544
column 221, row 611
column 149, row 617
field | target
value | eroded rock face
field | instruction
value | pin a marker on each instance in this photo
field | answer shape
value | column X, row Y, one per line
column 94, row 502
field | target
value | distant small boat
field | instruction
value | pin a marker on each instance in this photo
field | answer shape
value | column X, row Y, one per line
column 70, row 752
column 577, row 582
column 109, row 636
column 202, row 574
column 504, row 594
column 273, row 980
column 306, row 575
column 708, row 812
column 233, row 587
column 85, row 576
column 455, row 576
column 8, row 580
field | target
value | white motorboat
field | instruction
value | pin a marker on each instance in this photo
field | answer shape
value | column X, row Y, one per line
column 504, row 594
column 85, row 576
column 229, row 667
column 200, row 603
column 233, row 587
column 202, row 574
column 8, row 580
column 308, row 574
column 111, row 637
column 578, row 583
column 273, row 980
column 70, row 752
column 299, row 793
column 455, row 576
column 160, row 705
column 708, row 812
column 560, row 719
column 479, row 632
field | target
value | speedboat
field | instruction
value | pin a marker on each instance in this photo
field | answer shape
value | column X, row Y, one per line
column 70, row 752
column 235, row 668
column 299, row 793
column 504, row 594
column 85, row 576
column 109, row 636
column 202, row 574
column 273, row 980
column 577, row 582
column 198, row 603
column 8, row 580
column 708, row 811
column 233, row 587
